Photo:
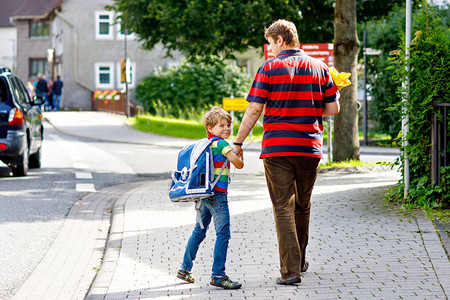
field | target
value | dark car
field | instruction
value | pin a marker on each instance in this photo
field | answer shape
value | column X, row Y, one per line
column 21, row 129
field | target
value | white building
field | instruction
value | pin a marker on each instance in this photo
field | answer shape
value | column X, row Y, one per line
column 80, row 41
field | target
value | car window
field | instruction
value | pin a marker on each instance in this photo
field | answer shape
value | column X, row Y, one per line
column 23, row 89
column 3, row 90
column 18, row 94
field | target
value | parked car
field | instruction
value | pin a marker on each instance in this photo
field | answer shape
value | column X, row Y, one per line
column 21, row 129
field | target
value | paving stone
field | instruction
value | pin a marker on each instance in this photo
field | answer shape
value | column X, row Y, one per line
column 358, row 248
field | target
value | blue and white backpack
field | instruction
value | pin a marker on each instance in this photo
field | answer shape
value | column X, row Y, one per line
column 194, row 178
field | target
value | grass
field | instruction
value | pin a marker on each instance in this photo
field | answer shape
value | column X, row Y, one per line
column 351, row 163
column 179, row 127
column 171, row 127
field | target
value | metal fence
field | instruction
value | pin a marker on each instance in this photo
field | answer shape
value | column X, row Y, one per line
column 440, row 155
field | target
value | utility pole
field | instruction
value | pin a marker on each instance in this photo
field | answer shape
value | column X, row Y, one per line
column 405, row 120
column 127, row 76
column 366, row 141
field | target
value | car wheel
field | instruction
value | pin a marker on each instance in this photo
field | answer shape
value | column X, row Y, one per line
column 35, row 159
column 21, row 169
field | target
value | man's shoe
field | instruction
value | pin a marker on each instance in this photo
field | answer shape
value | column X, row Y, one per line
column 225, row 282
column 305, row 266
column 186, row 276
column 289, row 281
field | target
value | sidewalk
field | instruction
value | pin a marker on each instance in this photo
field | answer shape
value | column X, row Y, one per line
column 359, row 247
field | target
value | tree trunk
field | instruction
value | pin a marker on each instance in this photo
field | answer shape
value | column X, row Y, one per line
column 346, row 48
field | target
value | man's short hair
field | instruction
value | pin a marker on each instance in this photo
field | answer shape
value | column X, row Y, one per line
column 284, row 28
column 214, row 116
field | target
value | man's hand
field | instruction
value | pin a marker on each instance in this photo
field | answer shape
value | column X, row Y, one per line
column 239, row 152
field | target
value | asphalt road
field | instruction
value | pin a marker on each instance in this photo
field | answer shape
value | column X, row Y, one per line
column 33, row 208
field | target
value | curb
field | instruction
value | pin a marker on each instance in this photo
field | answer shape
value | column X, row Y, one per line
column 101, row 283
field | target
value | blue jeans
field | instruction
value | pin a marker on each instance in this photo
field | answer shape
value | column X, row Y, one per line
column 56, row 101
column 45, row 96
column 214, row 207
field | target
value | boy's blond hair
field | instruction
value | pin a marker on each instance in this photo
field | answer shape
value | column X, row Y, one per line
column 284, row 28
column 212, row 117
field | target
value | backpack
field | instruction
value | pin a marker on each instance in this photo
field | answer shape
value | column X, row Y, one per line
column 194, row 178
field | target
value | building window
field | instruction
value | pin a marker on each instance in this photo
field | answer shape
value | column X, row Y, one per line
column 104, row 78
column 38, row 66
column 121, row 33
column 103, row 25
column 39, row 29
column 131, row 84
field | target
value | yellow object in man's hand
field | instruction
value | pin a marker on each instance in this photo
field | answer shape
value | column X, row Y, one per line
column 340, row 79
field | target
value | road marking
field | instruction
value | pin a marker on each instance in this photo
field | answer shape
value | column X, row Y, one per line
column 83, row 175
column 85, row 187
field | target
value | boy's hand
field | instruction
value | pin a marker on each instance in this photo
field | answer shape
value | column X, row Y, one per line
column 235, row 160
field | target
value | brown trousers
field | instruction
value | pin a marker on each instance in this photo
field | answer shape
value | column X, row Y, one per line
column 290, row 181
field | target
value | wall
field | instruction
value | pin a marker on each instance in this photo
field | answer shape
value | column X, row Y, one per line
column 81, row 51
column 8, row 48
column 29, row 48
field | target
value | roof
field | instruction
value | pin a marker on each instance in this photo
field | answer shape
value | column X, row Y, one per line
column 28, row 9
column 8, row 7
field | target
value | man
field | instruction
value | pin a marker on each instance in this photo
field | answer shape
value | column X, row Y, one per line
column 297, row 91
column 57, row 92
column 42, row 90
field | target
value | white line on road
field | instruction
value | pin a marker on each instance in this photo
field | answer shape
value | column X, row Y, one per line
column 85, row 187
column 83, row 175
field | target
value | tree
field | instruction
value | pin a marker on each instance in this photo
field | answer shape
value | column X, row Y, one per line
column 204, row 28
column 346, row 48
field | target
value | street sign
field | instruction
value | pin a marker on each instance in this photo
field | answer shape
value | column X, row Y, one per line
column 235, row 104
column 322, row 51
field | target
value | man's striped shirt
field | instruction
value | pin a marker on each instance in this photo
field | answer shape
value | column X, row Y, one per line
column 294, row 88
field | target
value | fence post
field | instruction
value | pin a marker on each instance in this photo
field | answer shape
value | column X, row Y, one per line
column 434, row 149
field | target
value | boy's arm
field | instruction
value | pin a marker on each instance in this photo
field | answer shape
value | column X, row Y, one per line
column 234, row 159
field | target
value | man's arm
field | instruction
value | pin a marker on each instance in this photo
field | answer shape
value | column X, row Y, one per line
column 251, row 115
column 332, row 108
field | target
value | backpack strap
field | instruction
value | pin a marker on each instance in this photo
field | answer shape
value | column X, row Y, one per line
column 225, row 164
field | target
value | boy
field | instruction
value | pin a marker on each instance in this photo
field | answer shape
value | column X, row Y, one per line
column 218, row 127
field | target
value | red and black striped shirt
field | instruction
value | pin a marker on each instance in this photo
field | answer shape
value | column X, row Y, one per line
column 294, row 87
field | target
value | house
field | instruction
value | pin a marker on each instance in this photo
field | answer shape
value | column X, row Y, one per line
column 8, row 34
column 80, row 41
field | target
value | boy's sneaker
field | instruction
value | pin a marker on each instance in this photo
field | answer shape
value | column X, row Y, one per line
column 225, row 282
column 186, row 276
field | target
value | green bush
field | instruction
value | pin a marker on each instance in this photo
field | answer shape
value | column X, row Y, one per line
column 188, row 90
column 383, row 35
column 429, row 76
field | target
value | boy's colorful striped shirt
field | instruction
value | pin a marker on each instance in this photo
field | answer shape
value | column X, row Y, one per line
column 294, row 88
column 220, row 148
